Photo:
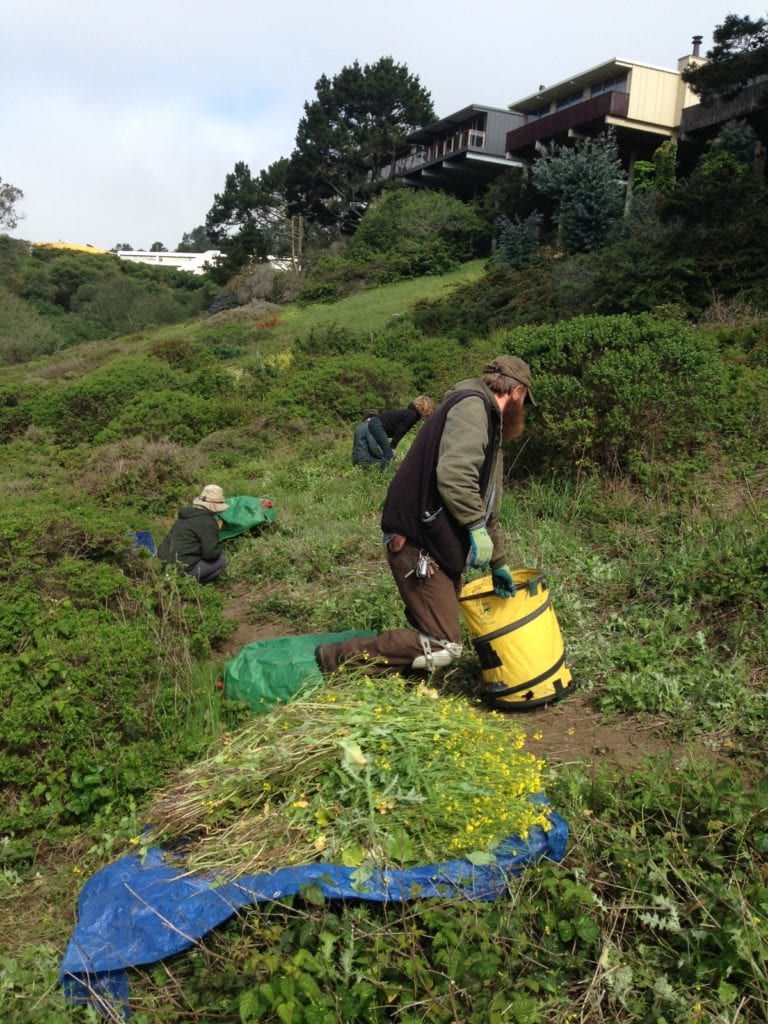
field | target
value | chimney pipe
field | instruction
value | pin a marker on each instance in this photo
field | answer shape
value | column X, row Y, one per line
column 696, row 43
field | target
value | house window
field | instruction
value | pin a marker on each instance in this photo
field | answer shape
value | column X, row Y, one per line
column 538, row 113
column 477, row 139
column 571, row 99
column 616, row 83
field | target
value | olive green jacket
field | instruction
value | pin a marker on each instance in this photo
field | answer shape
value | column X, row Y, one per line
column 461, row 457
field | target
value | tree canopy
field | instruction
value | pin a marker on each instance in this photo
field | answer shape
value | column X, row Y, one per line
column 739, row 55
column 9, row 196
column 248, row 220
column 358, row 123
column 196, row 240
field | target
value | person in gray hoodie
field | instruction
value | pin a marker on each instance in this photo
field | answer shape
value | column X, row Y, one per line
column 193, row 542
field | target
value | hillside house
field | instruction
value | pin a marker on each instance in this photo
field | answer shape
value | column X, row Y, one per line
column 644, row 105
column 460, row 153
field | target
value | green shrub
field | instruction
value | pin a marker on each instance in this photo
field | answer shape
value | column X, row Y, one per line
column 745, row 409
column 24, row 333
column 15, row 415
column 182, row 353
column 94, row 698
column 587, row 182
column 619, row 391
column 330, row 276
column 152, row 477
column 171, row 415
column 545, row 291
column 339, row 387
column 438, row 363
column 78, row 411
column 55, row 276
column 329, row 341
column 518, row 240
column 405, row 233
column 407, row 221
column 628, row 276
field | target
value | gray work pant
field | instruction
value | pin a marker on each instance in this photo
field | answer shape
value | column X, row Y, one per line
column 207, row 572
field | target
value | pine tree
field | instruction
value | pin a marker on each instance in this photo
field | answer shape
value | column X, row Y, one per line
column 357, row 124
column 587, row 183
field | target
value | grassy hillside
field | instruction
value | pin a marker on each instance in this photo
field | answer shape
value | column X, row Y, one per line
column 641, row 489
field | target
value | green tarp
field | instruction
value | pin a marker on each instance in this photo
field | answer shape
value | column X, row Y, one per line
column 270, row 672
column 245, row 513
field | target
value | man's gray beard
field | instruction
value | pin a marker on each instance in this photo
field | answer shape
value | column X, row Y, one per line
column 512, row 422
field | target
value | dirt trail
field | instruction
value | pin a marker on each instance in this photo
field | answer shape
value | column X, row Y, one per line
column 240, row 607
column 572, row 730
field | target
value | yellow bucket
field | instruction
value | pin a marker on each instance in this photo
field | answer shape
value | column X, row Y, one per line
column 518, row 642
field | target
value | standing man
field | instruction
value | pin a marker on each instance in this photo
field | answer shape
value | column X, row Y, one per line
column 440, row 519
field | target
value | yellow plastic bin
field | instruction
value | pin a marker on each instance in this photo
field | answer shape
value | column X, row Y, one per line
column 518, row 642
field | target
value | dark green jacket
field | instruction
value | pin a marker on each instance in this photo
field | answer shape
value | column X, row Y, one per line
column 194, row 536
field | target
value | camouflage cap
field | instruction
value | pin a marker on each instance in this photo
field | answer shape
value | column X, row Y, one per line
column 517, row 369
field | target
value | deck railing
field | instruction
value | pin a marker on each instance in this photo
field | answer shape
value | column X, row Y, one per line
column 609, row 104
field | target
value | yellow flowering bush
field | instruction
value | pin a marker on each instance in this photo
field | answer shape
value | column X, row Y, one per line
column 364, row 771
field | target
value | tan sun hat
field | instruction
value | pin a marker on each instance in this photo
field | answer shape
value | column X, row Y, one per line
column 212, row 498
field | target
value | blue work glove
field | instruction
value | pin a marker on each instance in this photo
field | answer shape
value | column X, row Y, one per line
column 503, row 582
column 480, row 547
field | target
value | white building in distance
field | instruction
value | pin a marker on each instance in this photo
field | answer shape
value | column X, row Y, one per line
column 193, row 262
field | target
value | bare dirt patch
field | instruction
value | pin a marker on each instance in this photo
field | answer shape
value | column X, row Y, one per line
column 242, row 607
column 571, row 730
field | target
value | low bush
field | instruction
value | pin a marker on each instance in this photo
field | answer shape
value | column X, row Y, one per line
column 78, row 411
column 93, row 701
column 24, row 333
column 151, row 477
column 181, row 353
column 15, row 414
column 618, row 392
column 339, row 387
column 547, row 290
column 331, row 276
column 172, row 415
column 330, row 340
column 405, row 233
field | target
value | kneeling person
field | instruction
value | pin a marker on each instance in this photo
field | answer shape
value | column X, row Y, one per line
column 193, row 542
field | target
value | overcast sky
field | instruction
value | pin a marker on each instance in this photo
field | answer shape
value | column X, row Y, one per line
column 119, row 121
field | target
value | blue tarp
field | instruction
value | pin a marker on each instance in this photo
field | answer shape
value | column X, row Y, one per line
column 133, row 913
column 143, row 539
